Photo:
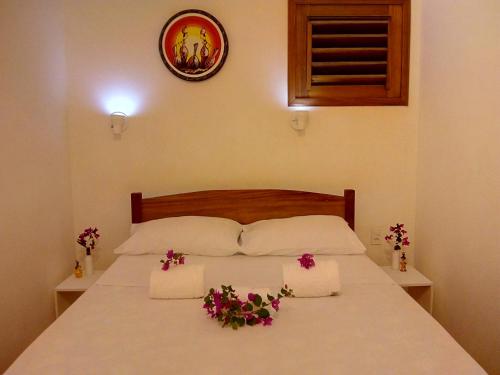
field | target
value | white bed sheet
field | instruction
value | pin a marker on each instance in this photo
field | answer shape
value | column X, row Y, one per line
column 373, row 327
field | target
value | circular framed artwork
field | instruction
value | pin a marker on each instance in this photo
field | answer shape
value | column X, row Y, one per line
column 193, row 45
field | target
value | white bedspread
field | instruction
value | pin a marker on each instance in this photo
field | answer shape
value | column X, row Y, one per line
column 373, row 327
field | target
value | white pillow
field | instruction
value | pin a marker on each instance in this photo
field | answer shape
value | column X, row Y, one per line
column 197, row 235
column 315, row 234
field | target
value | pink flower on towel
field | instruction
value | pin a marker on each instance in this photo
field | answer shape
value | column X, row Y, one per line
column 307, row 261
column 251, row 297
column 172, row 258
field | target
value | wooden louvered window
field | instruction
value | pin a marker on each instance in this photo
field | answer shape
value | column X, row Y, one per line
column 348, row 52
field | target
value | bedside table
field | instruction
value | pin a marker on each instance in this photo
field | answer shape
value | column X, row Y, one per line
column 416, row 285
column 70, row 289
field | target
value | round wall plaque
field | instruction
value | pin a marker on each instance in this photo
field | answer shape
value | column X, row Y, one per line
column 193, row 45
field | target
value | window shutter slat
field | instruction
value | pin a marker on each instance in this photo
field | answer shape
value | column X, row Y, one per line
column 341, row 40
column 351, row 79
column 348, row 67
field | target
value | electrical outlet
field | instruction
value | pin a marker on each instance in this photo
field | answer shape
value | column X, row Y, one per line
column 376, row 236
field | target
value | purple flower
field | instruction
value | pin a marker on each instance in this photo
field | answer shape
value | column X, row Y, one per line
column 267, row 321
column 173, row 258
column 396, row 238
column 275, row 303
column 307, row 261
column 217, row 300
column 88, row 238
column 231, row 311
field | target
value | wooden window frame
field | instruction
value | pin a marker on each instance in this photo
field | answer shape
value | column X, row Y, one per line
column 302, row 93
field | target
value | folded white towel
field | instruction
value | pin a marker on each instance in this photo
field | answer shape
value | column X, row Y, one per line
column 242, row 292
column 318, row 281
column 186, row 281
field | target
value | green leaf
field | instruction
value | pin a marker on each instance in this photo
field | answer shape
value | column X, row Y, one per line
column 270, row 297
column 263, row 313
column 258, row 300
column 248, row 307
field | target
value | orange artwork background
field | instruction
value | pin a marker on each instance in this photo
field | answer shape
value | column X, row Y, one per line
column 193, row 23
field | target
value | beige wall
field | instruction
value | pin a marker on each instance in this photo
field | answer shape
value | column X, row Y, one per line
column 231, row 131
column 458, row 195
column 35, row 201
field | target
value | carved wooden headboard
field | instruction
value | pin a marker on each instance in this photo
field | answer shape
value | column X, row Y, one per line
column 244, row 206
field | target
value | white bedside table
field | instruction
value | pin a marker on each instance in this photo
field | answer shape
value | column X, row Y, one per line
column 417, row 285
column 70, row 289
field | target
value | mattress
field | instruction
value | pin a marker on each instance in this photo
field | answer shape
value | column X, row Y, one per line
column 372, row 327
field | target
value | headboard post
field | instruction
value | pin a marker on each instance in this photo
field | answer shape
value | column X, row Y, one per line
column 136, row 205
column 349, row 196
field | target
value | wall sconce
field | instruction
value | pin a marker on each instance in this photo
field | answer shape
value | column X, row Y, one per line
column 118, row 122
column 300, row 120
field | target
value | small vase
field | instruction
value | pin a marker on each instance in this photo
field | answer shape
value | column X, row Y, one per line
column 78, row 270
column 89, row 266
column 395, row 259
column 402, row 262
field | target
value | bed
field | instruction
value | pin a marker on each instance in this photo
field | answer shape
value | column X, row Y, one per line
column 372, row 327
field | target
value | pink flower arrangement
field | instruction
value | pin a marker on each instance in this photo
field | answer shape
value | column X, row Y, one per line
column 397, row 238
column 306, row 261
column 172, row 258
column 88, row 239
column 230, row 310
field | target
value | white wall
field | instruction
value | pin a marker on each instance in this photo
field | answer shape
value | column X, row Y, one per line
column 458, row 194
column 230, row 131
column 35, row 202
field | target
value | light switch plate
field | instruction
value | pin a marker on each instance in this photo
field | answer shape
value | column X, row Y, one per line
column 377, row 236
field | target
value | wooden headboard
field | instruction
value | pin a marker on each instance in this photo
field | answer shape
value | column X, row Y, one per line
column 244, row 206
